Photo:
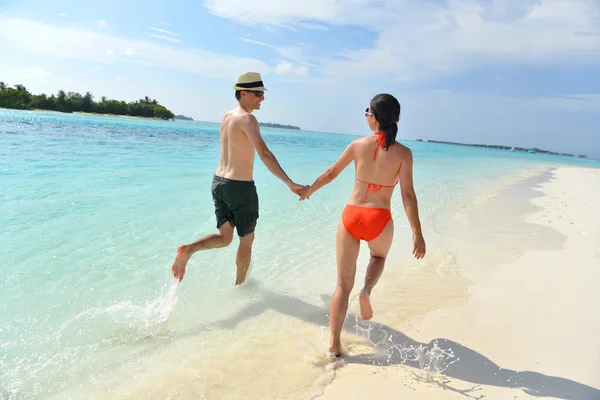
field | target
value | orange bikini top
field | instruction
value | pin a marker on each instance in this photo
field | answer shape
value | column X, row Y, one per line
column 375, row 187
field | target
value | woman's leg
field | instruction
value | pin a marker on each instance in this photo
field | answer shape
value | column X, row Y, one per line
column 346, row 253
column 380, row 246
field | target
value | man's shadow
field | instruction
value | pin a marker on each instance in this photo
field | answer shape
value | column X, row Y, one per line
column 443, row 356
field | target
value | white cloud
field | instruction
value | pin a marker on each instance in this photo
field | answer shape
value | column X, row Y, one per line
column 297, row 53
column 286, row 67
column 428, row 39
column 273, row 12
column 33, row 72
column 588, row 102
column 162, row 23
column 27, row 76
column 43, row 39
column 101, row 23
column 164, row 37
column 257, row 42
column 165, row 31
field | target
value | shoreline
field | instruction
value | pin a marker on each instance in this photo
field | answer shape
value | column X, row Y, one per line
column 496, row 339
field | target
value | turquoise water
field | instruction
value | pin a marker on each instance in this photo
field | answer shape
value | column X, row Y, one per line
column 93, row 208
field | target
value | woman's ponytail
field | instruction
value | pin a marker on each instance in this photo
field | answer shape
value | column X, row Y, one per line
column 386, row 110
column 390, row 134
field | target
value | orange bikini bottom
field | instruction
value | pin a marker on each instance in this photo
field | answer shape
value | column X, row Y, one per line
column 365, row 223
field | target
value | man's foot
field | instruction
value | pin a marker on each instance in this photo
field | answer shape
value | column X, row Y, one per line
column 366, row 311
column 241, row 277
column 180, row 262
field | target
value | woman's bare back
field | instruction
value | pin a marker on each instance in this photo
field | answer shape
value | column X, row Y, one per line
column 375, row 179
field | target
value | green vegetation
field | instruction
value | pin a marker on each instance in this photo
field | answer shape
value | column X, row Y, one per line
column 20, row 98
column 273, row 125
column 511, row 148
column 183, row 117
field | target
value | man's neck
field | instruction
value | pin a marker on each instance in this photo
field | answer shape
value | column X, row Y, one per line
column 247, row 108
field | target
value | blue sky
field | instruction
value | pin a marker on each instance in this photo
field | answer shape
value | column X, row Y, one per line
column 510, row 72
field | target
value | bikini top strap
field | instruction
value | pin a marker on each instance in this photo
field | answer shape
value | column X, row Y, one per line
column 373, row 187
column 380, row 143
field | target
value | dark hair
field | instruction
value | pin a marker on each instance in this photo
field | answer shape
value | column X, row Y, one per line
column 238, row 94
column 386, row 110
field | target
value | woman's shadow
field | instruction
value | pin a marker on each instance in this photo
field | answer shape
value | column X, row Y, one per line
column 443, row 356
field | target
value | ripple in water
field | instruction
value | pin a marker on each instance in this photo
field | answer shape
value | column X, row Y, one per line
column 86, row 342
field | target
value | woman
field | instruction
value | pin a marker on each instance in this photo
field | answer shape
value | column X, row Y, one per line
column 380, row 162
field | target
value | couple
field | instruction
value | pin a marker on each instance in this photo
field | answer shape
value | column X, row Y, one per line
column 380, row 163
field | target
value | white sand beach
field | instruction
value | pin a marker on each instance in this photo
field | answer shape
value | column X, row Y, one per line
column 518, row 309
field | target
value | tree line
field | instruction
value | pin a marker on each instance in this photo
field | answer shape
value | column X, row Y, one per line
column 18, row 97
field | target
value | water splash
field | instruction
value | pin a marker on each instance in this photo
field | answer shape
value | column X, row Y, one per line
column 146, row 319
column 142, row 320
column 395, row 348
column 433, row 360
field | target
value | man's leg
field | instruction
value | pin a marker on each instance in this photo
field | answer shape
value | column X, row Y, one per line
column 211, row 241
column 244, row 256
column 346, row 253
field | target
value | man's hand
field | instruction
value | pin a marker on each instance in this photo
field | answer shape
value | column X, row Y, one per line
column 305, row 193
column 418, row 246
column 296, row 188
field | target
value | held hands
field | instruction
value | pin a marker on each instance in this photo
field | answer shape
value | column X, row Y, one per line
column 305, row 193
column 418, row 246
column 295, row 188
column 301, row 190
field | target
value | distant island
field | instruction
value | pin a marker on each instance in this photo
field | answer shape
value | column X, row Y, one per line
column 510, row 148
column 21, row 99
column 273, row 125
column 183, row 117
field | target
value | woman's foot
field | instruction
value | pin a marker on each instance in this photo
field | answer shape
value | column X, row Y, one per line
column 334, row 353
column 366, row 311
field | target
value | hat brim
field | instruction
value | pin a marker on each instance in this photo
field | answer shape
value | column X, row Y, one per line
column 254, row 89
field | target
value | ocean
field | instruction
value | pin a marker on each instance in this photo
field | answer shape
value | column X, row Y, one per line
column 92, row 209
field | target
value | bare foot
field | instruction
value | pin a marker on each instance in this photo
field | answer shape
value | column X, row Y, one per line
column 180, row 262
column 334, row 354
column 366, row 312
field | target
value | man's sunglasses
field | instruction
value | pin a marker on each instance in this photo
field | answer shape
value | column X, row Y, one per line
column 256, row 93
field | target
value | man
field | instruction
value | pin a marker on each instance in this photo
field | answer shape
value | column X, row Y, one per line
column 233, row 190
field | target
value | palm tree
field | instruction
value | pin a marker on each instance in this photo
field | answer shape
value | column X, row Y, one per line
column 2, row 86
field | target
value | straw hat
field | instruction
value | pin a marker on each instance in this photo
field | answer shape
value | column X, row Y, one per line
column 249, row 81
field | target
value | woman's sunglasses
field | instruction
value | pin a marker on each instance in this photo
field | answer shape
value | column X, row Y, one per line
column 367, row 113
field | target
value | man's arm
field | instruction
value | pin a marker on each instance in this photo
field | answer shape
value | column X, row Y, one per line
column 409, row 199
column 250, row 126
column 331, row 173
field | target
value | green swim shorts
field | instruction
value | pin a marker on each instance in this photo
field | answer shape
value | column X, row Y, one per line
column 235, row 202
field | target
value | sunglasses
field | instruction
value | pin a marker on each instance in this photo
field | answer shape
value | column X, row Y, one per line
column 256, row 93
column 367, row 113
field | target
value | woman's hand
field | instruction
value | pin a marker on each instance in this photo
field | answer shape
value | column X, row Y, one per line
column 305, row 193
column 418, row 246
